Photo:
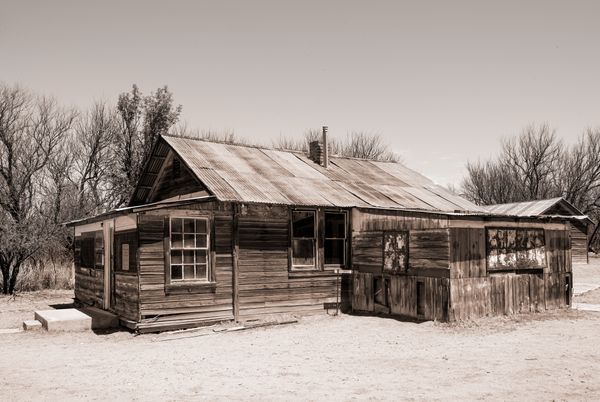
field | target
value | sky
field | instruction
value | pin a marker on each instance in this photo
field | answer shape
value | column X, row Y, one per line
column 442, row 82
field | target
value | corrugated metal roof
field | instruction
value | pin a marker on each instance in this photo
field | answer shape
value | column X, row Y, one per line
column 250, row 174
column 525, row 208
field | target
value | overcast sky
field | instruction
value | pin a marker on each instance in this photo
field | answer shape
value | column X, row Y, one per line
column 441, row 81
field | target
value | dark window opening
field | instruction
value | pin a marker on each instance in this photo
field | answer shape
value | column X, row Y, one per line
column 420, row 298
column 176, row 172
column 395, row 252
column 91, row 250
column 303, row 239
column 335, row 238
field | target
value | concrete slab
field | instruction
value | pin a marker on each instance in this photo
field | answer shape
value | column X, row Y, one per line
column 101, row 319
column 32, row 325
column 68, row 319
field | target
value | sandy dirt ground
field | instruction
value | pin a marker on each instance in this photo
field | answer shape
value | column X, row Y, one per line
column 20, row 307
column 533, row 357
column 529, row 357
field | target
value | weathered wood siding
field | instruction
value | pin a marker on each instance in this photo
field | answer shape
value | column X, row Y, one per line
column 89, row 282
column 476, row 293
column 579, row 241
column 169, row 185
column 163, row 307
column 266, row 285
column 89, row 286
column 428, row 263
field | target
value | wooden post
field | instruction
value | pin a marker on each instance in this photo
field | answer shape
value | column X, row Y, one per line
column 236, row 256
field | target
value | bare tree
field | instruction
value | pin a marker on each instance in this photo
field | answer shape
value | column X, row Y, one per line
column 357, row 144
column 31, row 130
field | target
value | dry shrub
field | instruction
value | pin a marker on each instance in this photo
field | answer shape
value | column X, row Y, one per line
column 38, row 275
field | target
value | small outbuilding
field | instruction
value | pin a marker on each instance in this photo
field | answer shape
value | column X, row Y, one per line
column 580, row 225
column 220, row 232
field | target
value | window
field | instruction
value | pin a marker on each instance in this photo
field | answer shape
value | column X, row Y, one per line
column 335, row 238
column 395, row 251
column 510, row 249
column 91, row 250
column 99, row 250
column 189, row 249
column 303, row 239
column 126, row 251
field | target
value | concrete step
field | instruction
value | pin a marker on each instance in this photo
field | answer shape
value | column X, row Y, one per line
column 101, row 319
column 68, row 319
column 32, row 325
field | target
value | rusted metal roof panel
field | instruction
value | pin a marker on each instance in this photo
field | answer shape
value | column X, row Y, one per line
column 526, row 208
column 250, row 174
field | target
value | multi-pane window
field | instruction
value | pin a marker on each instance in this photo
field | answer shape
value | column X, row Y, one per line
column 189, row 249
column 335, row 238
column 510, row 248
column 303, row 239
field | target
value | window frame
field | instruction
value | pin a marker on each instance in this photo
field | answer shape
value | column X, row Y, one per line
column 208, row 278
column 315, row 239
column 516, row 250
column 344, row 263
column 131, row 239
column 403, row 269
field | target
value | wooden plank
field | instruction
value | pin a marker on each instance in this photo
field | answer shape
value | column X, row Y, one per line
column 236, row 255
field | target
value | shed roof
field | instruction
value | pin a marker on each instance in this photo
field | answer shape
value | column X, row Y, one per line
column 538, row 208
column 251, row 174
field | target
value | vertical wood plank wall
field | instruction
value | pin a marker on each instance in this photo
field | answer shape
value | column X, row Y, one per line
column 475, row 293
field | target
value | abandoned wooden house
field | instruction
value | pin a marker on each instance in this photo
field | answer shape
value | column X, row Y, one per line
column 226, row 232
column 580, row 225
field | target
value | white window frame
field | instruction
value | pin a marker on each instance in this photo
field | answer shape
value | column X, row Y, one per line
column 207, row 278
column 315, row 238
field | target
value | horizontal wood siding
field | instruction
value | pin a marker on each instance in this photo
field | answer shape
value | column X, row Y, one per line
column 265, row 284
column 579, row 242
column 126, row 296
column 89, row 286
column 163, row 307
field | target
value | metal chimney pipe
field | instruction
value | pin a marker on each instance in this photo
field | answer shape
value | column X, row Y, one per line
column 325, row 148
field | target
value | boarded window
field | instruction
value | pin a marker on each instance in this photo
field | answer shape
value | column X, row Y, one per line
column 189, row 249
column 303, row 239
column 395, row 251
column 335, row 238
column 126, row 251
column 510, row 249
